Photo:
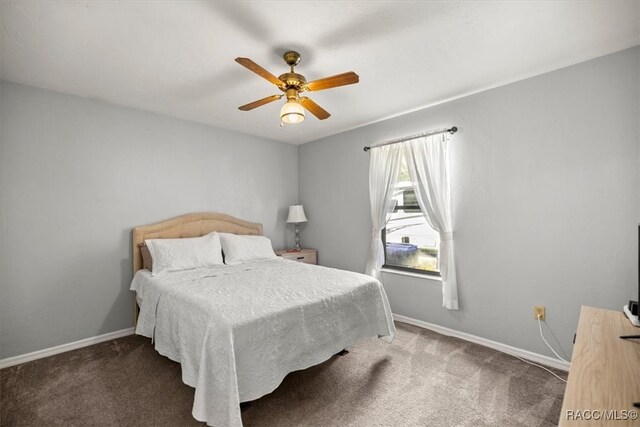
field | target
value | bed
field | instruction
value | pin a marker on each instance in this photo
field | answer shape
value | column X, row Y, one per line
column 238, row 330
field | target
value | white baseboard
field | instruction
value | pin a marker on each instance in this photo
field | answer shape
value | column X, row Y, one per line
column 514, row 351
column 16, row 360
column 525, row 354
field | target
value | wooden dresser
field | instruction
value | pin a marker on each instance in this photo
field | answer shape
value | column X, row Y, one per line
column 309, row 256
column 604, row 378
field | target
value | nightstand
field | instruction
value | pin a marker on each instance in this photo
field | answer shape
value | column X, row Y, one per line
column 309, row 256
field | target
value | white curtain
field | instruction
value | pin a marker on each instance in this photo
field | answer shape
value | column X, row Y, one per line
column 384, row 164
column 428, row 163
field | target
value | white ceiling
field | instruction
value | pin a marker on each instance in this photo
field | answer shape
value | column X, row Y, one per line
column 177, row 58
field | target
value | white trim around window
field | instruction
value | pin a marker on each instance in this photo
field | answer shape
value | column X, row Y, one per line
column 431, row 277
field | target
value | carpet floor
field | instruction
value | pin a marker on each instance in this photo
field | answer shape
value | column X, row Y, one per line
column 422, row 379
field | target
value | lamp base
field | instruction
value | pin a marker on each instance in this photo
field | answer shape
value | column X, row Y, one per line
column 297, row 246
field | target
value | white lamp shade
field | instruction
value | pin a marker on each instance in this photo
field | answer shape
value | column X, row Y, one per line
column 296, row 214
column 292, row 112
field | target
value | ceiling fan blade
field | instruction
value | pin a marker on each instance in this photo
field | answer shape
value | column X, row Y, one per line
column 259, row 102
column 343, row 79
column 314, row 108
column 246, row 62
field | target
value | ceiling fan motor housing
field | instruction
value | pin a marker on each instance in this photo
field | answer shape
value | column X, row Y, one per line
column 293, row 81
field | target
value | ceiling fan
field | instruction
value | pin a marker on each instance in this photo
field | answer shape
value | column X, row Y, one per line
column 291, row 84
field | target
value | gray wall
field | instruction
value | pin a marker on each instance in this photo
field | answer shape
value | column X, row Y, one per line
column 76, row 175
column 545, row 197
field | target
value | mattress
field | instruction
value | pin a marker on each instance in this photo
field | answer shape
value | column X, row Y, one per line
column 237, row 331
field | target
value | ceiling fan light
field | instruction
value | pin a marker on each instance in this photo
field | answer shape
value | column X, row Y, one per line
column 292, row 112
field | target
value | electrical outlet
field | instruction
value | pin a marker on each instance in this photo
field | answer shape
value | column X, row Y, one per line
column 538, row 312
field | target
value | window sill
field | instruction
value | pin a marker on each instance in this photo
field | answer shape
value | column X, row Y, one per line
column 410, row 274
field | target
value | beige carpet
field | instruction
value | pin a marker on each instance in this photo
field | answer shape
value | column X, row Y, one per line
column 422, row 379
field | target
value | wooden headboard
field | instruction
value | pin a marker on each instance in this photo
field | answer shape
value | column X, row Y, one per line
column 190, row 225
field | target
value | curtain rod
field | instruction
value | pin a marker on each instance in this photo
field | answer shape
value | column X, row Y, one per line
column 451, row 130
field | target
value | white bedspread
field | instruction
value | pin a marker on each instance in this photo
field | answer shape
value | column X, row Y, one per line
column 239, row 330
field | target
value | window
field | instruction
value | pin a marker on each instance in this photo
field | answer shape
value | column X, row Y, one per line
column 410, row 244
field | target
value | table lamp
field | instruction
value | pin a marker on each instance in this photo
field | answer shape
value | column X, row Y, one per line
column 296, row 216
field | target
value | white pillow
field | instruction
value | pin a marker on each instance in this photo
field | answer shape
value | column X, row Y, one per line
column 185, row 254
column 239, row 249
